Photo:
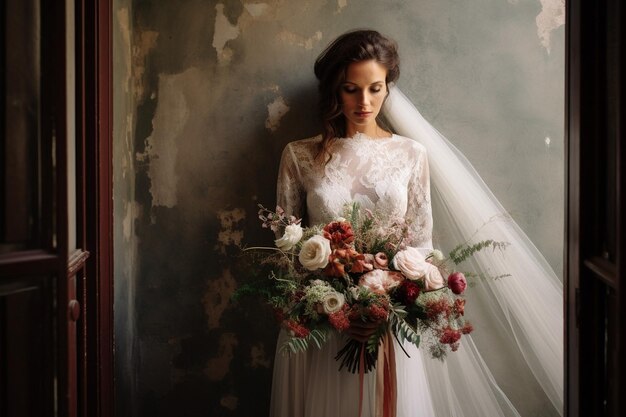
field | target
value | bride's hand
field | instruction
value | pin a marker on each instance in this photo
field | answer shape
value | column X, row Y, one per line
column 361, row 331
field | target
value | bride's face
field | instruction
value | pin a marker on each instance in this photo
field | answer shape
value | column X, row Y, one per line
column 362, row 96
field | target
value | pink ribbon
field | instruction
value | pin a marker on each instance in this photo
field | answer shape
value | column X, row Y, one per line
column 386, row 384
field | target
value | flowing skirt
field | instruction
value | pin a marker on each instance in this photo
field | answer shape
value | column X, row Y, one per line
column 309, row 384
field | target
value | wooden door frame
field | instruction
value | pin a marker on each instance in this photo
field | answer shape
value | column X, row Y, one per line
column 94, row 115
column 571, row 272
column 48, row 257
column 595, row 303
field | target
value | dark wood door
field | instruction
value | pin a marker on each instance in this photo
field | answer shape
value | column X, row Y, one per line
column 39, row 262
column 596, row 209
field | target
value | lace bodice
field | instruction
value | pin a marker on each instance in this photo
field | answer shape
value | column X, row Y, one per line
column 389, row 175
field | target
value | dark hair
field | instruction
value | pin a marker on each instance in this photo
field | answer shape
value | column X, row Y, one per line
column 330, row 69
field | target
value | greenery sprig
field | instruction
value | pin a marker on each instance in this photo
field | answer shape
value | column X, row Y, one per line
column 317, row 338
column 464, row 251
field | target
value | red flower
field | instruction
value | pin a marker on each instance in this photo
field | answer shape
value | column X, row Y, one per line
column 407, row 292
column 467, row 328
column 435, row 308
column 296, row 329
column 345, row 260
column 340, row 234
column 377, row 313
column 354, row 313
column 459, row 306
column 359, row 265
column 334, row 268
column 339, row 320
column 457, row 282
column 449, row 336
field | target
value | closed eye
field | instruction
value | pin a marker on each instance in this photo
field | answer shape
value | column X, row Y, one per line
column 351, row 89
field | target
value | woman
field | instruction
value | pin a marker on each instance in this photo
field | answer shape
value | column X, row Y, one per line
column 359, row 159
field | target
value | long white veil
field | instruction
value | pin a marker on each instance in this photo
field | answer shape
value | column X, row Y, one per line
column 514, row 363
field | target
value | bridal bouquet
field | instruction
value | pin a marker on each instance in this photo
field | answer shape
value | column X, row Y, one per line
column 358, row 268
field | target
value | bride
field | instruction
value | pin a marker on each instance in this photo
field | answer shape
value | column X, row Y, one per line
column 358, row 158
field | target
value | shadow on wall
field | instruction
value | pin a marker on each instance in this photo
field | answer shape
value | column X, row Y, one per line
column 223, row 364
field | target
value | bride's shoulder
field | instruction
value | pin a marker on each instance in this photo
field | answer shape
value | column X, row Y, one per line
column 411, row 144
column 305, row 146
column 307, row 142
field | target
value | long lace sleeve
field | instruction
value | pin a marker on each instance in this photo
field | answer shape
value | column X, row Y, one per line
column 289, row 190
column 419, row 211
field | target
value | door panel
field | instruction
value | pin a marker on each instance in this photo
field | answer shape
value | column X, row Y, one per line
column 37, row 335
column 26, row 328
column 596, row 307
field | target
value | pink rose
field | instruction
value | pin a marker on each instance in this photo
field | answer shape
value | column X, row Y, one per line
column 433, row 280
column 378, row 261
column 457, row 282
column 380, row 281
column 381, row 261
column 413, row 265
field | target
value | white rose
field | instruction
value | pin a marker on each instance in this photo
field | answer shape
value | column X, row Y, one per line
column 333, row 302
column 291, row 237
column 432, row 278
column 413, row 265
column 315, row 252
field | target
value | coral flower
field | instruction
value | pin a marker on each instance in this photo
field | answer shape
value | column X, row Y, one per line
column 450, row 336
column 339, row 233
column 339, row 320
column 435, row 308
column 380, row 281
column 467, row 328
column 377, row 313
column 335, row 268
column 296, row 329
column 459, row 306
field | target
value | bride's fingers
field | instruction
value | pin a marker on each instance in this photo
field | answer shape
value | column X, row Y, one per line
column 364, row 325
column 361, row 331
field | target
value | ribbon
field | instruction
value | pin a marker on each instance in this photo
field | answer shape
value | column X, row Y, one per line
column 361, row 377
column 386, row 384
column 386, row 388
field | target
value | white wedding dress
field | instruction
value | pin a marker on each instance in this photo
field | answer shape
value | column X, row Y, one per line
column 390, row 175
column 517, row 319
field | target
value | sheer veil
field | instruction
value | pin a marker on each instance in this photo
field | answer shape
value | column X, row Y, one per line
column 514, row 362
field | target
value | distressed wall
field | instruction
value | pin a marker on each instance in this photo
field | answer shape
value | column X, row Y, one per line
column 207, row 93
column 126, row 210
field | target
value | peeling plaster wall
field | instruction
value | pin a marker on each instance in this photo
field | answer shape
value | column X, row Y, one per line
column 207, row 95
column 126, row 211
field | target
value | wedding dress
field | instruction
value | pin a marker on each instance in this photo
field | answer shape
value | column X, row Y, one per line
column 518, row 318
column 386, row 174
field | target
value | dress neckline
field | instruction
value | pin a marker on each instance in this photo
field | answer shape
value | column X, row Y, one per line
column 363, row 136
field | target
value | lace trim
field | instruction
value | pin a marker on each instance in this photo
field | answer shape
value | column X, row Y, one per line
column 388, row 174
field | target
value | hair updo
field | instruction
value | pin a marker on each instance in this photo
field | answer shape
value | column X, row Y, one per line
column 331, row 67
